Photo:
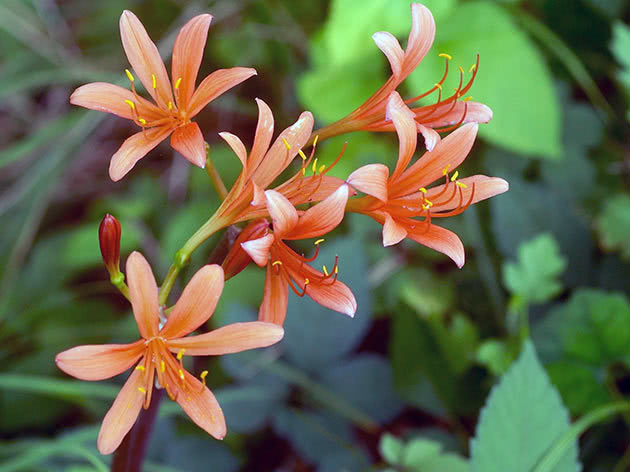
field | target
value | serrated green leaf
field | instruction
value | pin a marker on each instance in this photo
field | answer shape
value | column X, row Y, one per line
column 579, row 385
column 522, row 419
column 614, row 225
column 534, row 278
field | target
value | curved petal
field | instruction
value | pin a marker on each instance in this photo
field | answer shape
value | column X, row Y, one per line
column 229, row 339
column 323, row 217
column 371, row 179
column 431, row 137
column 202, row 407
column 258, row 249
column 259, row 196
column 390, row 46
column 484, row 187
column 448, row 114
column 403, row 119
column 264, row 133
column 145, row 59
column 420, row 38
column 442, row 240
column 237, row 146
column 393, row 232
column 196, row 304
column 283, row 214
column 216, row 84
column 187, row 55
column 189, row 142
column 237, row 259
column 99, row 362
column 143, row 293
column 273, row 308
column 122, row 414
column 111, row 98
column 133, row 149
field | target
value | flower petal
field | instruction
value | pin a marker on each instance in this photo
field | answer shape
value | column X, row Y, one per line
column 484, row 187
column 237, row 259
column 235, row 337
column 321, row 218
column 390, row 46
column 133, row 149
column 111, row 98
column 122, row 414
column 196, row 304
column 371, row 179
column 449, row 115
column 202, row 407
column 264, row 133
column 258, row 249
column 187, row 56
column 99, row 362
column 145, row 59
column 273, row 308
column 403, row 119
column 283, row 214
column 442, row 240
column 393, row 232
column 216, row 84
column 143, row 293
column 420, row 38
column 431, row 137
column 237, row 146
column 189, row 142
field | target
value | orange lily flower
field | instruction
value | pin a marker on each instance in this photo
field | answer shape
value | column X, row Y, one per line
column 175, row 104
column 397, row 201
column 285, row 268
column 444, row 115
column 154, row 352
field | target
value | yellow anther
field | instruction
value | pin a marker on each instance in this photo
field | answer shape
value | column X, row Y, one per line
column 336, row 269
column 178, row 82
column 468, row 98
column 423, row 190
column 315, row 140
column 142, row 121
column 203, row 376
column 306, row 282
column 286, row 143
column 446, row 56
column 163, row 366
column 325, row 270
column 142, row 390
column 180, row 354
column 445, row 171
column 321, row 168
column 140, row 368
column 314, row 168
column 131, row 104
column 472, row 68
column 181, row 374
column 438, row 85
column 129, row 75
column 303, row 170
column 276, row 263
column 461, row 69
column 426, row 206
column 428, row 202
column 302, row 155
column 454, row 176
column 319, row 241
column 461, row 184
column 170, row 105
column 153, row 81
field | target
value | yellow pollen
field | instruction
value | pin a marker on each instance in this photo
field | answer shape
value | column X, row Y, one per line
column 180, row 354
column 286, row 143
column 131, row 104
column 461, row 184
column 423, row 190
column 302, row 155
column 129, row 75
column 140, row 368
column 178, row 82
column 142, row 121
column 461, row 69
column 276, row 263
column 306, row 281
column 203, row 376
column 315, row 140
column 142, row 390
column 438, row 86
column 472, row 68
column 315, row 165
column 325, row 270
column 303, row 170
column 181, row 374
column 446, row 56
column 319, row 241
column 153, row 81
column 336, row 269
column 455, row 175
column 162, row 366
column 428, row 202
column 468, row 98
column 445, row 171
column 321, row 168
column 426, row 206
column 170, row 105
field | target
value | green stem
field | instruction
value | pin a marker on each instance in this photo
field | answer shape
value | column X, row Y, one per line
column 118, row 281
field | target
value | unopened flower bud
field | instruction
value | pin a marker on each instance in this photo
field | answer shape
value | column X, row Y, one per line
column 109, row 239
column 237, row 259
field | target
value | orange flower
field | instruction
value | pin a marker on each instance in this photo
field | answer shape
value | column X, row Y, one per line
column 446, row 114
column 287, row 269
column 153, row 352
column 397, row 201
column 175, row 104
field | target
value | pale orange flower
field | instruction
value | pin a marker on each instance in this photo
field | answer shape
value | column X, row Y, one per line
column 153, row 353
column 444, row 115
column 175, row 104
column 403, row 204
column 285, row 268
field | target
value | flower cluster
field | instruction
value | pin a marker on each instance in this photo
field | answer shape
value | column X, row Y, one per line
column 270, row 214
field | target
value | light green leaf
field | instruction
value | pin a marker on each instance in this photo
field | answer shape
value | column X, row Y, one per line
column 391, row 448
column 523, row 417
column 620, row 47
column 495, row 355
column 534, row 278
column 614, row 225
column 421, row 455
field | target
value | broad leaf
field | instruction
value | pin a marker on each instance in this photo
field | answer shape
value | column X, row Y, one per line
column 614, row 225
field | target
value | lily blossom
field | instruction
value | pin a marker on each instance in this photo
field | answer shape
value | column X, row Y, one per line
column 174, row 103
column 153, row 355
column 285, row 268
column 404, row 205
column 446, row 114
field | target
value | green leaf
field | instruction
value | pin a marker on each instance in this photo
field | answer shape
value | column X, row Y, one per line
column 526, row 111
column 429, row 295
column 534, row 277
column 613, row 225
column 425, row 455
column 391, row 448
column 620, row 46
column 580, row 386
column 495, row 355
column 522, row 419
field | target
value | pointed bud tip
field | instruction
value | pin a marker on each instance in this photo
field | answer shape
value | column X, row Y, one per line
column 109, row 233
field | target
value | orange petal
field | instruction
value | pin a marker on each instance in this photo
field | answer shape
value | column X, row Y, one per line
column 420, row 38
column 485, row 187
column 133, row 149
column 202, row 407
column 431, row 137
column 189, row 142
column 216, row 84
column 258, row 249
column 441, row 240
column 393, row 232
column 237, row 146
column 390, row 46
column 187, row 55
column 283, row 214
column 228, row 339
column 237, row 259
column 99, row 362
column 122, row 415
column 196, row 304
column 111, row 98
column 143, row 293
column 310, row 189
column 259, row 195
column 321, row 218
column 371, row 179
column 273, row 308
column 264, row 133
column 450, row 115
column 144, row 58
column 403, row 119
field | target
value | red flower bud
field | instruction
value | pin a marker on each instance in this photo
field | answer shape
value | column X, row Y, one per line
column 109, row 239
column 237, row 259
